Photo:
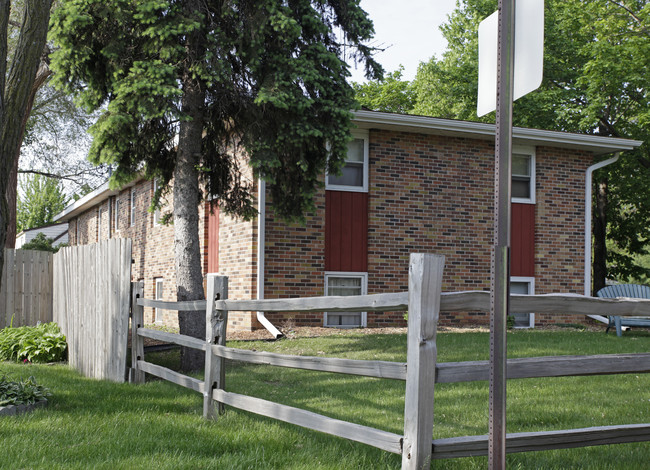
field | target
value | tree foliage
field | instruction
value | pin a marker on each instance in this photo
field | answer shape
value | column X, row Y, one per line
column 596, row 62
column 187, row 86
column 262, row 66
column 390, row 93
column 40, row 199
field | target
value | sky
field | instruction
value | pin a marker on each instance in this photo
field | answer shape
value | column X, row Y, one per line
column 409, row 29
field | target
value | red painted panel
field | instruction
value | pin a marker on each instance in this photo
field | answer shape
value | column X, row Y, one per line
column 522, row 241
column 213, row 239
column 346, row 231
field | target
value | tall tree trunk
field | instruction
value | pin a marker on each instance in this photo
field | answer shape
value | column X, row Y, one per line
column 600, row 237
column 15, row 92
column 189, row 277
column 42, row 75
column 12, row 200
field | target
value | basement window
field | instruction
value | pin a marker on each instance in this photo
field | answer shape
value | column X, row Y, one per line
column 523, row 285
column 344, row 284
column 158, row 295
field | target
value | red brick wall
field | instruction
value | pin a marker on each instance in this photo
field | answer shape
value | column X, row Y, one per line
column 427, row 194
column 295, row 261
column 435, row 194
column 238, row 261
column 153, row 244
column 559, row 218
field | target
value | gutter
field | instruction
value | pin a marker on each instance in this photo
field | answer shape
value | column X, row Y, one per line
column 588, row 186
column 261, row 238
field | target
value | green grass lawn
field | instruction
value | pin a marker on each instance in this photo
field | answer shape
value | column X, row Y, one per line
column 97, row 424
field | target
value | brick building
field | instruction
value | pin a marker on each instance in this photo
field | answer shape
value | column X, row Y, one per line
column 410, row 184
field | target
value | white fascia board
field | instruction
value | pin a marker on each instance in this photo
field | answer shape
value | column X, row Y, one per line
column 85, row 203
column 91, row 199
column 599, row 145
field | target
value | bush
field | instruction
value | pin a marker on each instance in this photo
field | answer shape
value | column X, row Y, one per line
column 41, row 343
column 24, row 392
column 41, row 243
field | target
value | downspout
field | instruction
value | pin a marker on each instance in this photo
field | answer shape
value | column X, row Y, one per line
column 588, row 185
column 261, row 238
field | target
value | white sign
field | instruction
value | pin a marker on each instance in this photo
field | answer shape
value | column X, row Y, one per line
column 529, row 53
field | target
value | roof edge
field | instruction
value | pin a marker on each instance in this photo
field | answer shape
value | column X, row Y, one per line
column 594, row 143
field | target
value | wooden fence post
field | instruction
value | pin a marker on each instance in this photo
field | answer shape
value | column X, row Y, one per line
column 425, row 281
column 216, row 322
column 136, row 375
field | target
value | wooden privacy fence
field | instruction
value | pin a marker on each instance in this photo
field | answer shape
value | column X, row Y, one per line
column 91, row 305
column 26, row 288
column 423, row 301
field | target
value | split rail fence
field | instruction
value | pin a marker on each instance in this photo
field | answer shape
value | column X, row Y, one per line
column 423, row 301
column 26, row 289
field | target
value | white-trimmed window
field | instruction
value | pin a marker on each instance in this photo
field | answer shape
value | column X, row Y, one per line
column 344, row 284
column 523, row 285
column 156, row 214
column 158, row 295
column 132, row 207
column 523, row 174
column 116, row 214
column 354, row 176
column 100, row 223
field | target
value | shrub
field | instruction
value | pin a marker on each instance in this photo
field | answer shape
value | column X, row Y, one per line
column 41, row 343
column 41, row 243
column 24, row 392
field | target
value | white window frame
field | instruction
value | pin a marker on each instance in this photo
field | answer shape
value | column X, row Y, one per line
column 102, row 216
column 364, row 291
column 158, row 312
column 356, row 134
column 156, row 213
column 132, row 207
column 531, row 291
column 529, row 151
column 116, row 214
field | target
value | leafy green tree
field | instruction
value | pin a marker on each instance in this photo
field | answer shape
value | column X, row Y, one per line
column 42, row 198
column 390, row 93
column 186, row 84
column 18, row 74
column 596, row 62
column 41, row 243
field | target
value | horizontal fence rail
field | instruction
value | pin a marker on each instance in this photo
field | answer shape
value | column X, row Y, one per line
column 569, row 304
column 449, row 302
column 357, row 303
column 546, row 366
column 378, row 369
column 171, row 376
column 181, row 340
column 355, row 432
column 469, row 446
column 184, row 306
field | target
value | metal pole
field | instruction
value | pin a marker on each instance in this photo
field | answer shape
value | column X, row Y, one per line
column 500, row 289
